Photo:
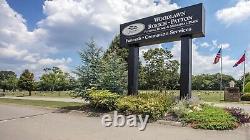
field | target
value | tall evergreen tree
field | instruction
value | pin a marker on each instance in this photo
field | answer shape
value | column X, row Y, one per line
column 115, row 47
column 89, row 72
column 114, row 74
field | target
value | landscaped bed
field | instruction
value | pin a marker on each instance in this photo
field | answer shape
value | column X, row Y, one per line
column 164, row 106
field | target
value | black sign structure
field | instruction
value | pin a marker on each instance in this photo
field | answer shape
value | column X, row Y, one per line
column 181, row 24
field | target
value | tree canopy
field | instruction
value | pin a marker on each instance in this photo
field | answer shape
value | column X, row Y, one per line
column 8, row 80
column 160, row 71
column 54, row 79
column 26, row 81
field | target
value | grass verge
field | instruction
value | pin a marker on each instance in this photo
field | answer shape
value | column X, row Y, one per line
column 57, row 94
column 40, row 103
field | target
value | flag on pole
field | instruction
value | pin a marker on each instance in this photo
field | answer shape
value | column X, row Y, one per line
column 217, row 57
column 242, row 59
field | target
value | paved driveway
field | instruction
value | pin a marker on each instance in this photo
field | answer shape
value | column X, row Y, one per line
column 32, row 123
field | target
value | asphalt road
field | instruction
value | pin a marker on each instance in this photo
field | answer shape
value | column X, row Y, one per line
column 32, row 123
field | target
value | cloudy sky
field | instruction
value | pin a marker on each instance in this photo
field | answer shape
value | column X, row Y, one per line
column 35, row 34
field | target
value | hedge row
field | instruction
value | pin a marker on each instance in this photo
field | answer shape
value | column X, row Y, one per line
column 154, row 105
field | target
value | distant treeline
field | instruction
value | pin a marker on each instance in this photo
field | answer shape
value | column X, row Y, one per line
column 53, row 79
column 107, row 70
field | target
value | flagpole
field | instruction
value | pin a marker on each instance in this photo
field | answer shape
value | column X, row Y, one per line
column 221, row 69
column 244, row 77
column 221, row 72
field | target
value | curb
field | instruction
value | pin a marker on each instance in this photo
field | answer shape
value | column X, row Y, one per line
column 172, row 123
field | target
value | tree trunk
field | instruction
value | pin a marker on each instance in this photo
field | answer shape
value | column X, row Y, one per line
column 3, row 89
column 30, row 93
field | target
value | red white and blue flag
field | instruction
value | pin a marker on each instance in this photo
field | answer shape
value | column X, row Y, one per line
column 218, row 56
column 242, row 59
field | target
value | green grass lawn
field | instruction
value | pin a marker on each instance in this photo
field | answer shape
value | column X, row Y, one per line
column 207, row 96
column 50, row 104
column 58, row 94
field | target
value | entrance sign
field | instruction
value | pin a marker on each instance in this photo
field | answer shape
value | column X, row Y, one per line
column 165, row 27
column 181, row 24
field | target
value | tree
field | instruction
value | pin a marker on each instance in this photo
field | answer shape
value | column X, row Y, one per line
column 247, row 78
column 115, row 47
column 7, row 80
column 89, row 72
column 54, row 79
column 26, row 81
column 12, row 83
column 142, row 77
column 210, row 81
column 160, row 70
column 239, row 83
column 114, row 74
column 247, row 87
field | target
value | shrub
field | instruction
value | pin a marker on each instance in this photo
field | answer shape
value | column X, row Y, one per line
column 154, row 105
column 239, row 114
column 247, row 87
column 183, row 107
column 103, row 99
column 213, row 118
column 245, row 97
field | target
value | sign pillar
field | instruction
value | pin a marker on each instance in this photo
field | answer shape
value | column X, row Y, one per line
column 133, row 66
column 186, row 67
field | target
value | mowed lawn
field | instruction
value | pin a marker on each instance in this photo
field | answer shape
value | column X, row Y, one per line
column 57, row 94
column 207, row 96
column 40, row 103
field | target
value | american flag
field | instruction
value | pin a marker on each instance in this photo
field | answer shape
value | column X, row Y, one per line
column 218, row 56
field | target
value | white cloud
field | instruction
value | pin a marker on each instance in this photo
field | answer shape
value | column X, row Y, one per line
column 144, row 49
column 204, row 63
column 67, row 26
column 214, row 45
column 224, row 46
column 235, row 14
column 19, row 48
column 70, row 23
column 205, row 45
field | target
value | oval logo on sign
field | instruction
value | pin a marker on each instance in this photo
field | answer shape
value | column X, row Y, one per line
column 133, row 29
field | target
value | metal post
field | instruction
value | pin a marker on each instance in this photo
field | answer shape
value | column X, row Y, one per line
column 221, row 85
column 244, row 75
column 186, row 68
column 133, row 66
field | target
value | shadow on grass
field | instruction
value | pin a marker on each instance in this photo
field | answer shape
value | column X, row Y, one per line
column 90, row 111
column 20, row 96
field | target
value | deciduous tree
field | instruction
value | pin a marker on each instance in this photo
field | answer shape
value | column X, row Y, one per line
column 8, row 80
column 26, row 81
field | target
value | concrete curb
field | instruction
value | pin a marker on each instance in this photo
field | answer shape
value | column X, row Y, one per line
column 172, row 123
